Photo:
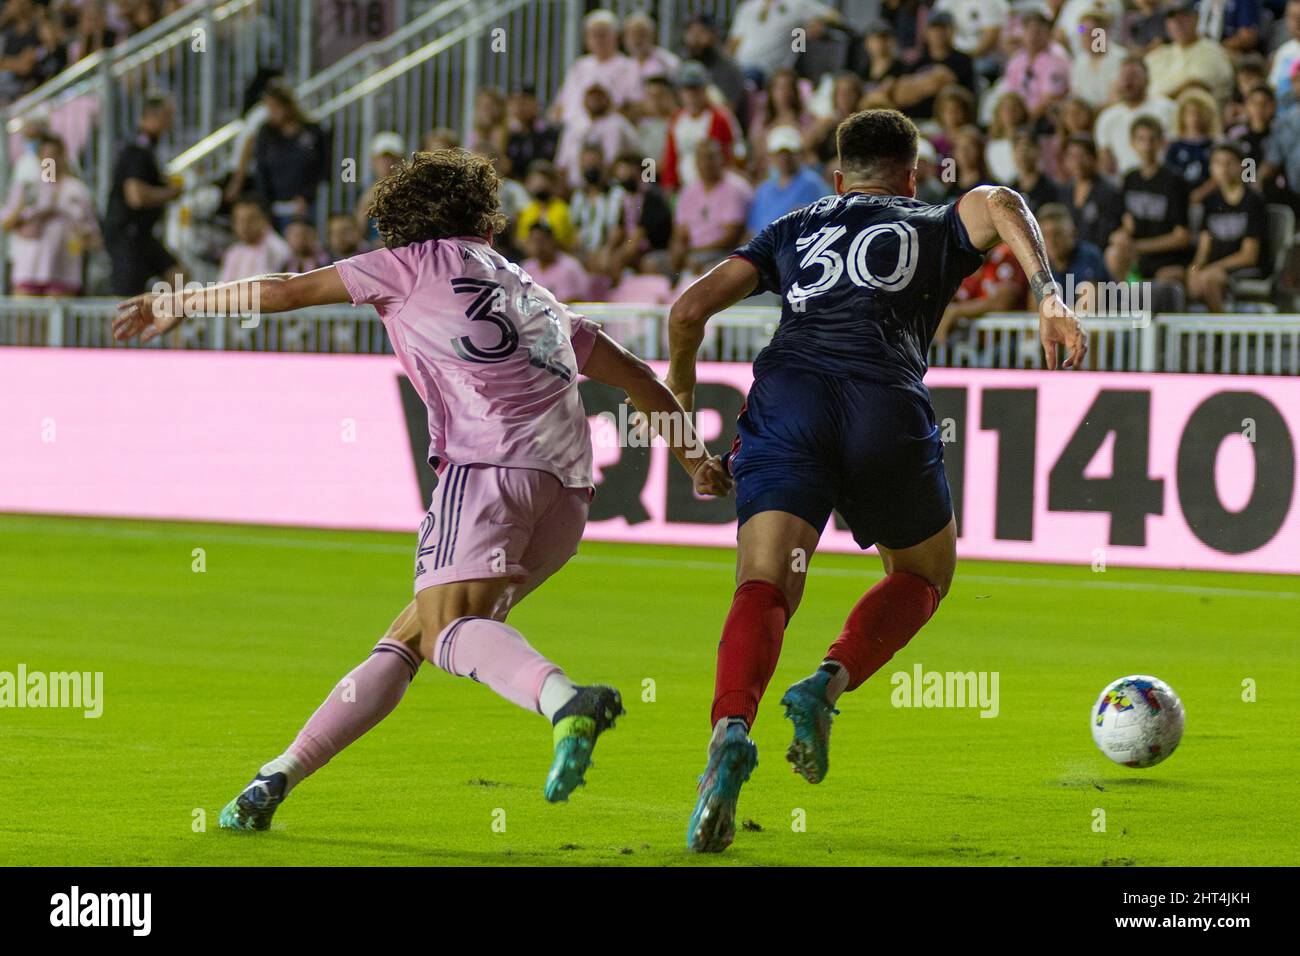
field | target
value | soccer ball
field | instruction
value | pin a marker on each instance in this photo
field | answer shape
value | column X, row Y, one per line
column 1137, row 721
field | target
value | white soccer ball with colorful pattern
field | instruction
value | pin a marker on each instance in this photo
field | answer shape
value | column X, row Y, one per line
column 1137, row 721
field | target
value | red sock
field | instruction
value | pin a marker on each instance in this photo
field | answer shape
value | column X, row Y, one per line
column 748, row 651
column 882, row 623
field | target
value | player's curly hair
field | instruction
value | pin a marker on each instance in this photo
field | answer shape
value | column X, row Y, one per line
column 437, row 195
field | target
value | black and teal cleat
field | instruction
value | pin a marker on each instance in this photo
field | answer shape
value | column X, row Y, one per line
column 808, row 709
column 253, row 809
column 576, row 726
column 713, row 824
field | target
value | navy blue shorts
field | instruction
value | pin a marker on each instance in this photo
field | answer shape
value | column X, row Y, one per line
column 810, row 443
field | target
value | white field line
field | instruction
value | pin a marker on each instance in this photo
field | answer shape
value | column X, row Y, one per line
column 203, row 537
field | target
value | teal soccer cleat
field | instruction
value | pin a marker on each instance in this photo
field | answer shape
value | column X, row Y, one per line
column 808, row 709
column 253, row 809
column 713, row 824
column 577, row 725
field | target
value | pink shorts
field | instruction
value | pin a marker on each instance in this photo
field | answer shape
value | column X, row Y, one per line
column 490, row 522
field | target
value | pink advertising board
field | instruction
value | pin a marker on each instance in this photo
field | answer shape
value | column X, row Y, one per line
column 1144, row 470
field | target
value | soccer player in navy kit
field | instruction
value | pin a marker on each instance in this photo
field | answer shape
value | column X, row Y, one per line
column 838, row 419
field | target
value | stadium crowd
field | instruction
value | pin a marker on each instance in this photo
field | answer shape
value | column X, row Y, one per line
column 38, row 38
column 1154, row 141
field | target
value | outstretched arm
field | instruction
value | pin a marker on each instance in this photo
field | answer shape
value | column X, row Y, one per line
column 721, row 287
column 152, row 314
column 611, row 364
column 997, row 213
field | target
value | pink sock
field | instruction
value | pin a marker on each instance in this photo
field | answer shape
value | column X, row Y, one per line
column 356, row 704
column 494, row 653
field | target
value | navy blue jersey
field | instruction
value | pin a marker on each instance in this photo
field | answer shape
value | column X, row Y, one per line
column 864, row 280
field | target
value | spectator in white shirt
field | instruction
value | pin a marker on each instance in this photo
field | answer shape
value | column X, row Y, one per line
column 1112, row 129
column 1070, row 16
column 762, row 32
column 1188, row 59
column 1286, row 56
column 1096, row 67
column 977, row 24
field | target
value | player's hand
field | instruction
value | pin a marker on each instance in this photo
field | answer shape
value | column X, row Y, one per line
column 147, row 316
column 711, row 478
column 1058, row 327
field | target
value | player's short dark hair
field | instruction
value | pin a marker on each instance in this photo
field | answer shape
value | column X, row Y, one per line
column 1148, row 122
column 437, row 195
column 877, row 144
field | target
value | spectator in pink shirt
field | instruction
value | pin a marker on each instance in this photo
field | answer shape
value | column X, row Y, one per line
column 257, row 249
column 711, row 213
column 552, row 267
column 650, row 59
column 603, row 64
column 602, row 126
column 51, row 223
column 1040, row 71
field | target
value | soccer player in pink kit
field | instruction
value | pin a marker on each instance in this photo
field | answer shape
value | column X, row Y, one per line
column 496, row 359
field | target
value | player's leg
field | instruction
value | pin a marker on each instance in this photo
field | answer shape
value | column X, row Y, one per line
column 890, row 614
column 529, row 527
column 896, row 497
column 372, row 690
column 773, row 550
column 364, row 697
column 783, row 502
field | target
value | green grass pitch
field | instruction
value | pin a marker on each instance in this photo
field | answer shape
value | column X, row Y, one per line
column 208, row 674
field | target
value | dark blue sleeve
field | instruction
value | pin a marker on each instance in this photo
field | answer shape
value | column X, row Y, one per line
column 957, row 231
column 760, row 252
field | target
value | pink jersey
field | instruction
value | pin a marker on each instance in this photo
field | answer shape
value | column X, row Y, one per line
column 493, row 354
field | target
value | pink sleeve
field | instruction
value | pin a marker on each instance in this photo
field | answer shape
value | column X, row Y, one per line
column 582, row 335
column 384, row 278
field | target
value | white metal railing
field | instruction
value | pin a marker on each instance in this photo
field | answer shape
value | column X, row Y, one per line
column 205, row 55
column 423, row 76
column 215, row 154
column 1260, row 345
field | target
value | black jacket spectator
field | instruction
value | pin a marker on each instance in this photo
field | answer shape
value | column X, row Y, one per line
column 129, row 230
column 1158, row 206
column 1228, row 225
column 289, row 167
column 524, row 146
column 963, row 68
column 1098, row 215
